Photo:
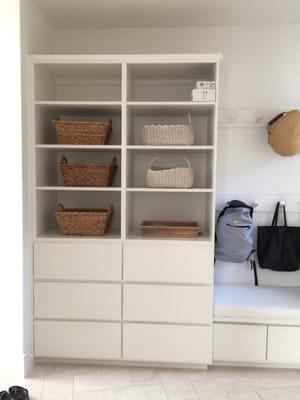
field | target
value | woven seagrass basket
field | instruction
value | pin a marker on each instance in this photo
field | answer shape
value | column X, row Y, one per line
column 82, row 132
column 91, row 174
column 83, row 222
column 164, row 135
column 179, row 177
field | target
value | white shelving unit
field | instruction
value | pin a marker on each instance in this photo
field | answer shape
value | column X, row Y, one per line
column 132, row 90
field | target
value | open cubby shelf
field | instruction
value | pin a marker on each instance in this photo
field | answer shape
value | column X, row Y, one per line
column 132, row 94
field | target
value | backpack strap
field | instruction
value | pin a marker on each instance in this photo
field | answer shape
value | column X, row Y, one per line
column 235, row 204
column 253, row 267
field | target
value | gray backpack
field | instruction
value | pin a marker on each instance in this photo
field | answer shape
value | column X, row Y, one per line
column 234, row 234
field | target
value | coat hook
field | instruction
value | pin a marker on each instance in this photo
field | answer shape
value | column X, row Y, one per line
column 282, row 202
column 255, row 203
column 259, row 117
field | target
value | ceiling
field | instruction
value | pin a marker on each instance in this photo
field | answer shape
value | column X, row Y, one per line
column 169, row 13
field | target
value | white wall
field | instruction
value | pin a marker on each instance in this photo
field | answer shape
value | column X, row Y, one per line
column 259, row 73
column 11, row 274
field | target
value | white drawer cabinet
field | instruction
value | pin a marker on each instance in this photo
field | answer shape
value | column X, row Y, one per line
column 167, row 343
column 78, row 261
column 163, row 303
column 63, row 300
column 78, row 340
column 168, row 263
column 284, row 344
column 243, row 343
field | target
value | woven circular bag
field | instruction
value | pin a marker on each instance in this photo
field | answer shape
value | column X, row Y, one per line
column 284, row 133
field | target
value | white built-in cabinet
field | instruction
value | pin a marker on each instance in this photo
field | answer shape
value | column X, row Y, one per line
column 122, row 296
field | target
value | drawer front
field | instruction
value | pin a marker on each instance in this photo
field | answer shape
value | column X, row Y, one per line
column 167, row 343
column 162, row 303
column 74, row 261
column 77, row 300
column 283, row 344
column 79, row 340
column 239, row 342
column 168, row 263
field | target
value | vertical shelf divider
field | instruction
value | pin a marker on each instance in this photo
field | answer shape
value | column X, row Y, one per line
column 124, row 152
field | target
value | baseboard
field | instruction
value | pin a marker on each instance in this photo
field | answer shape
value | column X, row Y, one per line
column 121, row 363
column 263, row 364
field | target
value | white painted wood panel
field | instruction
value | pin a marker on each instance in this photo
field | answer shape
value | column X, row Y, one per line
column 77, row 300
column 162, row 303
column 168, row 263
column 79, row 340
column 283, row 345
column 167, row 343
column 78, row 261
column 243, row 343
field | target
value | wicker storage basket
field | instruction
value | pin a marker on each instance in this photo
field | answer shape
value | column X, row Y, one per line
column 82, row 132
column 180, row 229
column 91, row 174
column 160, row 135
column 83, row 222
column 180, row 177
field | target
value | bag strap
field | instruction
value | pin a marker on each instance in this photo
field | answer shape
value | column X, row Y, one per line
column 274, row 120
column 253, row 266
column 276, row 214
column 235, row 204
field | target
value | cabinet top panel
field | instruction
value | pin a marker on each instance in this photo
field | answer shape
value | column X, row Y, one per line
column 128, row 58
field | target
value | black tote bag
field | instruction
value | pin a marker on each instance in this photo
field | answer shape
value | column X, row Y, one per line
column 278, row 247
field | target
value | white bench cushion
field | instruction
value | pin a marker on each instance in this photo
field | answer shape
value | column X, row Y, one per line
column 250, row 302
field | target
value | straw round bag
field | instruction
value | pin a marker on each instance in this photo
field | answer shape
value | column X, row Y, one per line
column 284, row 133
column 179, row 177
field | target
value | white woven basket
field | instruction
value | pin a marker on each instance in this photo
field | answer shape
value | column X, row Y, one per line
column 177, row 134
column 179, row 177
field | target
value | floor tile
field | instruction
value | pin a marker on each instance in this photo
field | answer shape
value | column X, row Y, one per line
column 180, row 391
column 243, row 396
column 98, row 395
column 144, row 376
column 144, row 392
column 172, row 375
column 105, row 379
column 209, row 390
column 284, row 393
column 57, row 385
column 250, row 385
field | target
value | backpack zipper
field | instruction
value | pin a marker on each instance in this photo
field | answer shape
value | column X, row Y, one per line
column 239, row 226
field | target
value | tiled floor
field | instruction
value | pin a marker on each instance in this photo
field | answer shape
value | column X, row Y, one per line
column 71, row 382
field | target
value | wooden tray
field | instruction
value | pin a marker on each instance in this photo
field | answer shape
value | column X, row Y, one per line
column 180, row 229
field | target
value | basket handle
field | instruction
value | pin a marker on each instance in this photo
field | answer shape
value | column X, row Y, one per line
column 184, row 157
column 114, row 161
column 189, row 118
column 152, row 162
column 110, row 209
column 187, row 161
column 64, row 160
column 60, row 207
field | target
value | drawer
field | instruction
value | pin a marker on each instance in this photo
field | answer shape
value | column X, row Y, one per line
column 283, row 344
column 162, row 303
column 78, row 261
column 167, row 343
column 77, row 300
column 239, row 342
column 168, row 263
column 79, row 340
